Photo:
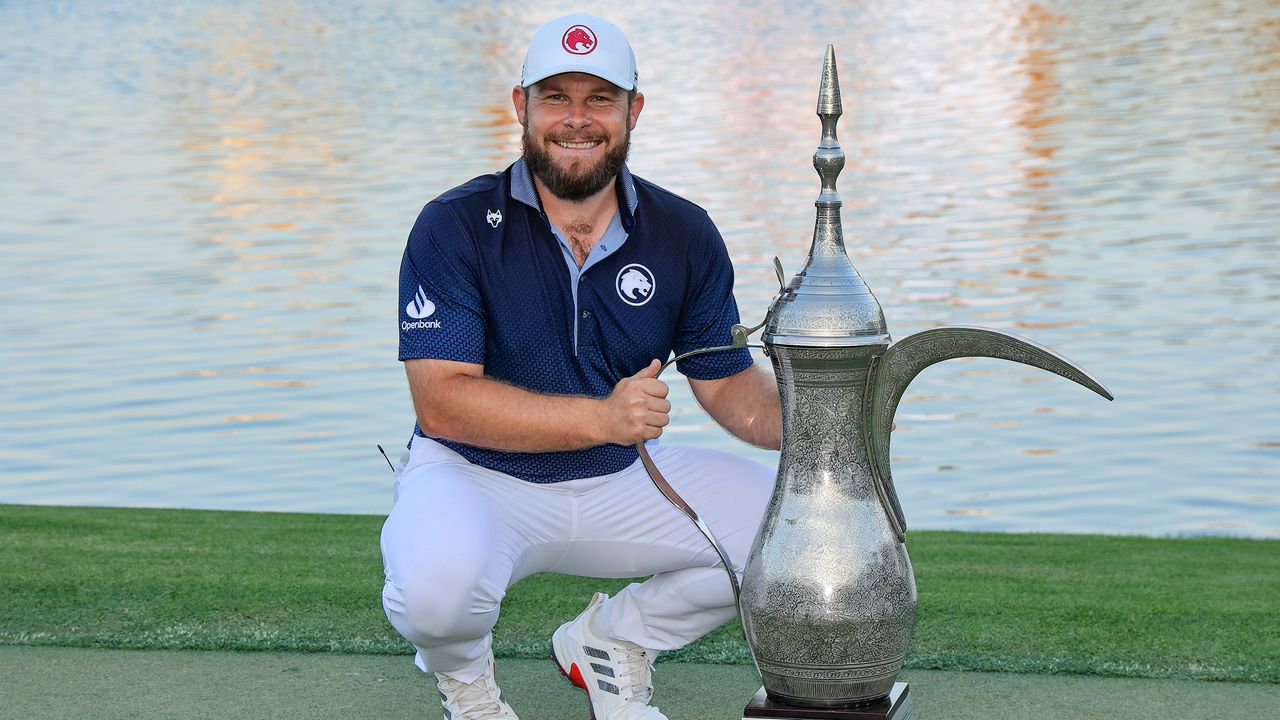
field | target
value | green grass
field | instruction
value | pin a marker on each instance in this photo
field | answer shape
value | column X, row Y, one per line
column 1199, row 608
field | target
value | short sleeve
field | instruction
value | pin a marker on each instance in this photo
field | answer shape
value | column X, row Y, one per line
column 441, row 310
column 710, row 313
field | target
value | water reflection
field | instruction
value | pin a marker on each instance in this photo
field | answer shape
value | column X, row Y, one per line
column 205, row 206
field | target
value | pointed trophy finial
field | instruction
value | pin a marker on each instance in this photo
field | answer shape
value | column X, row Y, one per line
column 829, row 158
column 827, row 304
column 829, row 92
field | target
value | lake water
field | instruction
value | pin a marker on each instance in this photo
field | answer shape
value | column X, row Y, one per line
column 204, row 206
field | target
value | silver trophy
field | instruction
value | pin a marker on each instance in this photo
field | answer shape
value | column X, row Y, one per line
column 828, row 597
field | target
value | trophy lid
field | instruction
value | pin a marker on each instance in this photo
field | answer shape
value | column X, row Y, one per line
column 827, row 304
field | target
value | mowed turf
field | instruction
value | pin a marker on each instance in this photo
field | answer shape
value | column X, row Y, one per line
column 1195, row 608
column 51, row 683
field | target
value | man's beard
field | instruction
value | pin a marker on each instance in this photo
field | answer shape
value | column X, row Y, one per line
column 569, row 185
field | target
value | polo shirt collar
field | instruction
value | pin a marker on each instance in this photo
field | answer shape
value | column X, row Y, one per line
column 522, row 188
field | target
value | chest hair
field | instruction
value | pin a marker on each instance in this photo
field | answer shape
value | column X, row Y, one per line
column 582, row 237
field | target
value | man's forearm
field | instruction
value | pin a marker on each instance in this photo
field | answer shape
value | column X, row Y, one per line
column 456, row 401
column 745, row 404
column 485, row 412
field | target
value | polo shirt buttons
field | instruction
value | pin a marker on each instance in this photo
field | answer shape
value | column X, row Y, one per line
column 586, row 314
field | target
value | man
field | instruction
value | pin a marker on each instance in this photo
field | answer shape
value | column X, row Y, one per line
column 534, row 303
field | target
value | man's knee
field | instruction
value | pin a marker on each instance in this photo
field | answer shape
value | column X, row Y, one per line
column 439, row 564
column 440, row 609
column 759, row 486
column 753, row 487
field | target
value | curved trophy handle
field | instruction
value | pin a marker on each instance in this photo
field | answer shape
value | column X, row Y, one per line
column 741, row 335
column 900, row 364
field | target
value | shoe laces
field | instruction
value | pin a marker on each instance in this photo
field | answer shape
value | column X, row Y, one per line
column 636, row 673
column 475, row 700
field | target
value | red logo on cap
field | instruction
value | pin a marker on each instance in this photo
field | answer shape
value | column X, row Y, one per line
column 579, row 40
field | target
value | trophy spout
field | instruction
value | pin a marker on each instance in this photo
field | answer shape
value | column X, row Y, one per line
column 905, row 359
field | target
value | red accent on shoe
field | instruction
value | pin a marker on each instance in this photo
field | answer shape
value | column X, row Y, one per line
column 575, row 677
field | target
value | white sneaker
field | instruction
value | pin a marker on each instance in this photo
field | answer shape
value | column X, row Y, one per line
column 478, row 700
column 616, row 674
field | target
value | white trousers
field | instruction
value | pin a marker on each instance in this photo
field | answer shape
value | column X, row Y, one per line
column 459, row 535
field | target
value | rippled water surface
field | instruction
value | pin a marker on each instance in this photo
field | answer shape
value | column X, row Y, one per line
column 204, row 206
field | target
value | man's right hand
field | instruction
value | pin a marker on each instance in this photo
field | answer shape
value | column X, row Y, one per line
column 638, row 408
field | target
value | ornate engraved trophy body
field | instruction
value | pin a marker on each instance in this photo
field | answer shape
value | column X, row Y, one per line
column 828, row 597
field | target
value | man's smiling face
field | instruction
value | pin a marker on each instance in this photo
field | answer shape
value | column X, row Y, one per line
column 577, row 132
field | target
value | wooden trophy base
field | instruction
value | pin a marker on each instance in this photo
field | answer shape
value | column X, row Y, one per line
column 895, row 707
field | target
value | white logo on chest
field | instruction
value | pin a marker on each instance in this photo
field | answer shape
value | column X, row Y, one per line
column 635, row 284
column 494, row 217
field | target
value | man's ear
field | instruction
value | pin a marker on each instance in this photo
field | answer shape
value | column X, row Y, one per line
column 637, row 104
column 520, row 100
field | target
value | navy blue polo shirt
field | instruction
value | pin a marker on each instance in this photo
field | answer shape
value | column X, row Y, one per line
column 486, row 279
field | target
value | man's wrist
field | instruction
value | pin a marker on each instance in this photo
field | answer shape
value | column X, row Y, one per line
column 596, row 426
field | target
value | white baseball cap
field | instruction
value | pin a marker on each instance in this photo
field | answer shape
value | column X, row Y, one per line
column 580, row 43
